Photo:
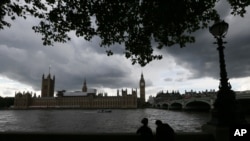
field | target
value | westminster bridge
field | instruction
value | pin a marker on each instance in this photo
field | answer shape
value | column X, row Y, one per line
column 200, row 103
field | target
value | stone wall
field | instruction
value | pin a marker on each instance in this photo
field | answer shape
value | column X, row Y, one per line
column 95, row 137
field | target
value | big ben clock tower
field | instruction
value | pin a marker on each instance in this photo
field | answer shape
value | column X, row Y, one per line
column 142, row 89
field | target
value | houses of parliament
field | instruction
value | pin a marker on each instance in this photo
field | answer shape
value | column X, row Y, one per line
column 87, row 98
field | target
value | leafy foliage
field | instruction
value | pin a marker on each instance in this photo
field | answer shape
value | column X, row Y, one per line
column 6, row 102
column 139, row 25
column 239, row 6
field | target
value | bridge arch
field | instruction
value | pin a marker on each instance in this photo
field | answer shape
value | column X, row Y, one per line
column 175, row 106
column 198, row 105
column 204, row 103
column 158, row 105
column 165, row 106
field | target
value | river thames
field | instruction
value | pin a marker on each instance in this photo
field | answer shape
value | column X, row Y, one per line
column 90, row 121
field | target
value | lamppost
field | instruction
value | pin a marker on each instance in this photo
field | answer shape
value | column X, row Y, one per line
column 226, row 110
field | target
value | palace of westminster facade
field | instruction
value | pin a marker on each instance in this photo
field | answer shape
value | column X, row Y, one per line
column 87, row 98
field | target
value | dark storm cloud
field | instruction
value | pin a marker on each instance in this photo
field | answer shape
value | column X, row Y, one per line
column 202, row 58
column 94, row 45
column 24, row 59
column 199, row 58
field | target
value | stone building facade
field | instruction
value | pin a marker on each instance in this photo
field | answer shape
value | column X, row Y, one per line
column 48, row 85
column 86, row 99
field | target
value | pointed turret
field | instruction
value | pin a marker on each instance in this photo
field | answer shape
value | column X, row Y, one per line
column 142, row 78
column 84, row 87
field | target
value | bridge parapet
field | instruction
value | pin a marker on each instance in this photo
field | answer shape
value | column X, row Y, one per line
column 184, row 102
column 166, row 103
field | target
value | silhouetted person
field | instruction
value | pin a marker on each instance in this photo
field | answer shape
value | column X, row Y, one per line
column 144, row 131
column 164, row 132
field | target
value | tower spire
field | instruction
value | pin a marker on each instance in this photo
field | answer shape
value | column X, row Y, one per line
column 49, row 68
column 142, row 78
column 49, row 72
column 84, row 87
column 84, row 82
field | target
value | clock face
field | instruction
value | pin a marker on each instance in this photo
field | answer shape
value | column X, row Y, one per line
column 142, row 84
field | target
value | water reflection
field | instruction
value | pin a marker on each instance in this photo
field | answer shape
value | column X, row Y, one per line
column 90, row 121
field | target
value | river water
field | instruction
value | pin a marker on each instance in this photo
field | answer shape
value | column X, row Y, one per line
column 90, row 121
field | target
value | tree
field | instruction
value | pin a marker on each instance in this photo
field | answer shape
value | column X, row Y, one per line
column 6, row 102
column 140, row 25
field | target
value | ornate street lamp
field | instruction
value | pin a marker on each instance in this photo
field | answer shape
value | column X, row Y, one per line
column 226, row 109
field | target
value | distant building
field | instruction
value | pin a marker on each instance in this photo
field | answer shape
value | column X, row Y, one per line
column 48, row 85
column 206, row 93
column 167, row 96
column 151, row 99
column 142, row 85
column 87, row 98
column 175, row 95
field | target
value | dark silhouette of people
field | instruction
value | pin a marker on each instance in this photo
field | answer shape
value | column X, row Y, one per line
column 164, row 132
column 144, row 131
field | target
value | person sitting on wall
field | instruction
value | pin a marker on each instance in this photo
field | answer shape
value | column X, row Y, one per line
column 164, row 132
column 144, row 131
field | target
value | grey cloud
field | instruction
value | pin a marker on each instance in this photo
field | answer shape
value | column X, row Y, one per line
column 202, row 59
column 180, row 79
column 168, row 79
column 24, row 59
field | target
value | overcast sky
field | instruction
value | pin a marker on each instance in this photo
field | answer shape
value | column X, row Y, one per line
column 23, row 61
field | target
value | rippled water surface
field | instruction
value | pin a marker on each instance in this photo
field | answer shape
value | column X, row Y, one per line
column 90, row 121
